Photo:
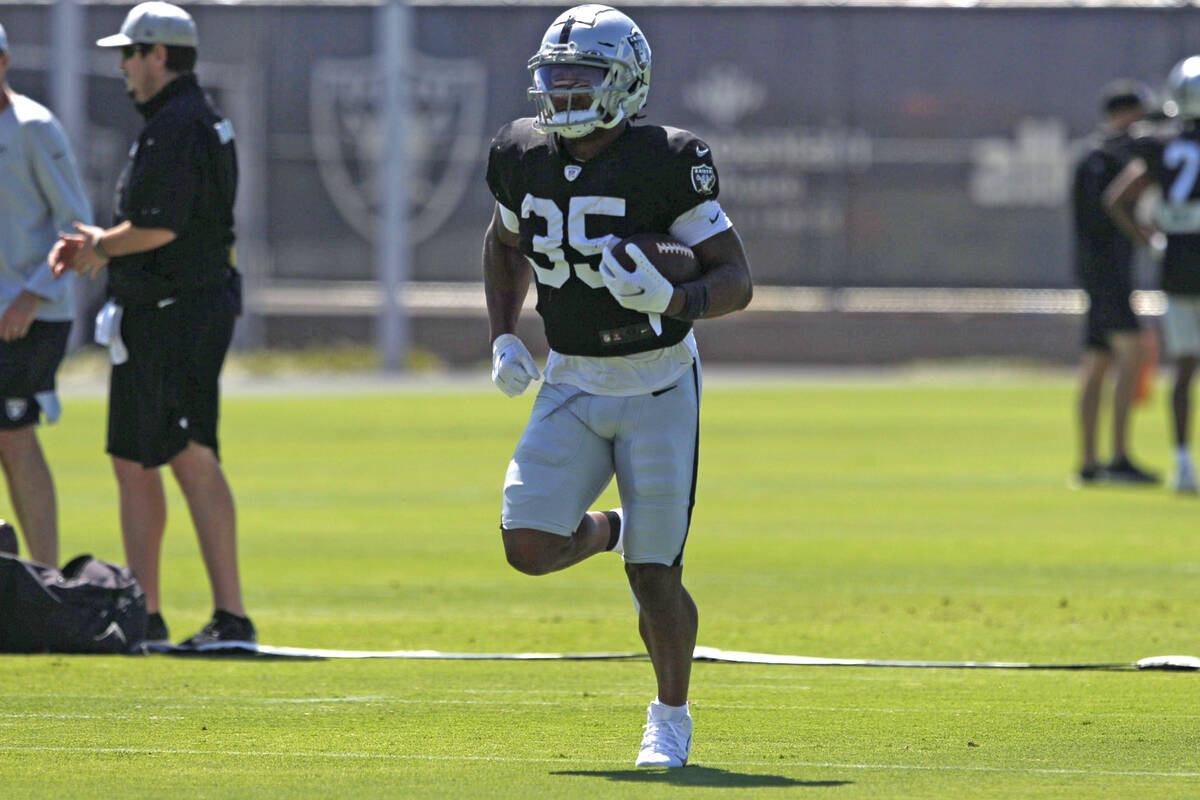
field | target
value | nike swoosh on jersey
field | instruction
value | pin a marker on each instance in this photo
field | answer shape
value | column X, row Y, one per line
column 701, row 151
column 631, row 294
column 715, row 217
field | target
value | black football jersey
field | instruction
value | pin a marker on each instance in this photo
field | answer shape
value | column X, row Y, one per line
column 1172, row 157
column 568, row 210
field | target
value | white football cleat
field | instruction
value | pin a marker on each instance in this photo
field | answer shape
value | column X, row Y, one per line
column 665, row 743
column 1185, row 478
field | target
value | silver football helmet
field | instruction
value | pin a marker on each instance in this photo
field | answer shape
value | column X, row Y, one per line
column 591, row 71
column 1183, row 89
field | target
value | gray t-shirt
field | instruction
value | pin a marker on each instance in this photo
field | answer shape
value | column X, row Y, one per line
column 40, row 194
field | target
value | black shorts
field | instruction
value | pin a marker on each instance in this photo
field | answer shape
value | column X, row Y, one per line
column 1109, row 312
column 168, row 392
column 27, row 368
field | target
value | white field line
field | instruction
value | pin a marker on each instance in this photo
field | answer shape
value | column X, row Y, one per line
column 48, row 715
column 598, row 762
column 174, row 705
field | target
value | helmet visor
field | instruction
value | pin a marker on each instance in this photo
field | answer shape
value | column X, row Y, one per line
column 568, row 87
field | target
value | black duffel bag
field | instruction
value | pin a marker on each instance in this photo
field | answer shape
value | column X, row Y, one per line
column 89, row 606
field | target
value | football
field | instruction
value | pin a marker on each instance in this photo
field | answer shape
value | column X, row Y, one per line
column 671, row 257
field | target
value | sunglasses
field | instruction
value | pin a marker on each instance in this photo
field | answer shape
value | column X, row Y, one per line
column 129, row 50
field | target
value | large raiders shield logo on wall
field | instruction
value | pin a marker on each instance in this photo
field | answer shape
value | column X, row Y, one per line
column 445, row 126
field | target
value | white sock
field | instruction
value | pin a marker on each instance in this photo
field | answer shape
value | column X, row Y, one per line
column 620, row 546
column 662, row 712
column 1183, row 458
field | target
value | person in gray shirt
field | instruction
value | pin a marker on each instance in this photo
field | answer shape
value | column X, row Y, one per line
column 40, row 194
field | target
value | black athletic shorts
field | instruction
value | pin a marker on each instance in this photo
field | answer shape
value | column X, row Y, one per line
column 27, row 368
column 167, row 393
column 1109, row 312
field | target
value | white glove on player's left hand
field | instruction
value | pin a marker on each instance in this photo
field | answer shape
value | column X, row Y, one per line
column 512, row 365
column 644, row 289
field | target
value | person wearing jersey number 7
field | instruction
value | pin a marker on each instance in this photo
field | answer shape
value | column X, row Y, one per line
column 1168, row 158
column 621, row 388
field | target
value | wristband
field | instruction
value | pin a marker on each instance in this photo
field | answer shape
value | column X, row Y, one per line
column 695, row 301
column 99, row 249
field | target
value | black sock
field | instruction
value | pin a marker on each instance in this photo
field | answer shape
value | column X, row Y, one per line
column 614, row 528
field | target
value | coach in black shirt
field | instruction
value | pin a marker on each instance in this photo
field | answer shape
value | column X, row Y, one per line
column 174, row 295
column 1104, row 268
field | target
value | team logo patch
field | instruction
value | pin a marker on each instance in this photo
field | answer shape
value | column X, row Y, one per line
column 445, row 122
column 15, row 407
column 571, row 171
column 641, row 51
column 704, row 179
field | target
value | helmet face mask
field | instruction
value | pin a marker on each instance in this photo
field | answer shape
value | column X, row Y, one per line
column 570, row 95
column 591, row 71
column 1183, row 89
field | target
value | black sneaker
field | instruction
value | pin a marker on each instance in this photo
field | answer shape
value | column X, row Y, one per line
column 1125, row 471
column 1089, row 476
column 224, row 631
column 158, row 638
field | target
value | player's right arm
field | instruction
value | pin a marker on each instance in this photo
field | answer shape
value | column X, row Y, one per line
column 506, row 276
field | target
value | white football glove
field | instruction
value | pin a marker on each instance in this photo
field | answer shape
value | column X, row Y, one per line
column 512, row 365
column 644, row 289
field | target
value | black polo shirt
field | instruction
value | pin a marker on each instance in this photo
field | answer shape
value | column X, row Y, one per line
column 1103, row 254
column 182, row 176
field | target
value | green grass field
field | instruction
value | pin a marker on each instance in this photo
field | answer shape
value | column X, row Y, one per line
column 924, row 518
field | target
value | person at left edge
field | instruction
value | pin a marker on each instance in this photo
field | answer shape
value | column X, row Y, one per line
column 40, row 194
column 174, row 295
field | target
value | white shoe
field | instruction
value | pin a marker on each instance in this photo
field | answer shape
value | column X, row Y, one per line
column 665, row 743
column 1185, row 479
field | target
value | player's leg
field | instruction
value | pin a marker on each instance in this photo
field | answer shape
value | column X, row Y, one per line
column 27, row 377
column 1181, row 418
column 210, row 503
column 31, row 490
column 1181, row 336
column 140, row 428
column 1181, row 406
column 1128, row 354
column 143, row 509
column 1093, row 368
column 668, row 622
column 209, row 321
column 536, row 552
column 656, row 473
column 560, row 466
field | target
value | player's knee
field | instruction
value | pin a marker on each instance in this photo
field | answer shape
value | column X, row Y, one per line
column 526, row 552
column 656, row 586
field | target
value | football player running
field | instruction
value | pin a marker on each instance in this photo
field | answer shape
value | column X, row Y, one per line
column 622, row 382
column 1169, row 159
